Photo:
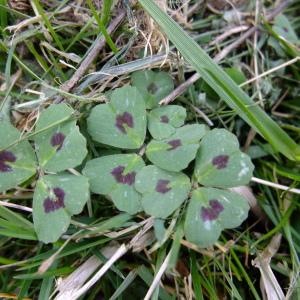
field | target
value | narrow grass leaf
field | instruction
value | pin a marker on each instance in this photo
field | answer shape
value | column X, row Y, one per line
column 225, row 87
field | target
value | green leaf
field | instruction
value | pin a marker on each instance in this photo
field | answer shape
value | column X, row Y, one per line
column 225, row 87
column 154, row 86
column 177, row 151
column 114, row 175
column 17, row 163
column 163, row 121
column 219, row 161
column 59, row 143
column 283, row 28
column 122, row 122
column 56, row 198
column 162, row 192
column 210, row 211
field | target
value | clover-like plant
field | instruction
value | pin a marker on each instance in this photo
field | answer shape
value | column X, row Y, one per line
column 158, row 189
column 162, row 188
column 58, row 146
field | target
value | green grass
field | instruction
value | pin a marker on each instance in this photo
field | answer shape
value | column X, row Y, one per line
column 222, row 271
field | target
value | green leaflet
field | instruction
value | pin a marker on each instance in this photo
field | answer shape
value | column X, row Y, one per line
column 17, row 163
column 122, row 122
column 162, row 191
column 210, row 211
column 163, row 121
column 283, row 28
column 219, row 161
column 56, row 198
column 154, row 86
column 59, row 147
column 114, row 175
column 177, row 151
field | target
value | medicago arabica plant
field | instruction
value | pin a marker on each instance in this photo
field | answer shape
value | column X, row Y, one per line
column 156, row 173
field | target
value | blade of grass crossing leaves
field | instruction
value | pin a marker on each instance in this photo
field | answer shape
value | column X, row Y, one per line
column 48, row 24
column 233, row 290
column 105, row 12
column 81, row 33
column 102, row 27
column 8, row 65
column 124, row 285
column 147, row 277
column 196, row 278
column 176, row 246
column 246, row 276
column 38, row 57
column 15, row 219
column 67, row 251
column 24, row 288
column 161, row 256
column 3, row 17
column 223, row 85
column 46, row 288
column 25, row 235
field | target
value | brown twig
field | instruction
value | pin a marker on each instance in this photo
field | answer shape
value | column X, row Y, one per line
column 181, row 88
column 68, row 85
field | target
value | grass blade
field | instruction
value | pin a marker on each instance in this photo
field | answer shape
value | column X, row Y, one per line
column 223, row 85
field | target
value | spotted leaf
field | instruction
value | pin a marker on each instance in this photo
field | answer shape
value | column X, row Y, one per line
column 162, row 191
column 283, row 27
column 115, row 175
column 163, row 121
column 59, row 143
column 121, row 122
column 56, row 198
column 154, row 86
column 219, row 161
column 177, row 151
column 210, row 211
column 17, row 158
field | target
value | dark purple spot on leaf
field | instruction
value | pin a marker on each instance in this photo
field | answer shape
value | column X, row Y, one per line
column 121, row 120
column 220, row 161
column 57, row 140
column 162, row 186
column 6, row 156
column 174, row 144
column 51, row 205
column 285, row 29
column 164, row 119
column 128, row 178
column 152, row 88
column 212, row 212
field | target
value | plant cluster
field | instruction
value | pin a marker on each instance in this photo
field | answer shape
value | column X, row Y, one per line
column 146, row 176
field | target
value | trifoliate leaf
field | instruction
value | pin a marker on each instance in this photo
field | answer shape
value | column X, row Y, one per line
column 59, row 146
column 162, row 191
column 219, row 161
column 210, row 211
column 177, row 151
column 114, row 175
column 18, row 162
column 154, row 86
column 56, row 198
column 122, row 122
column 163, row 121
